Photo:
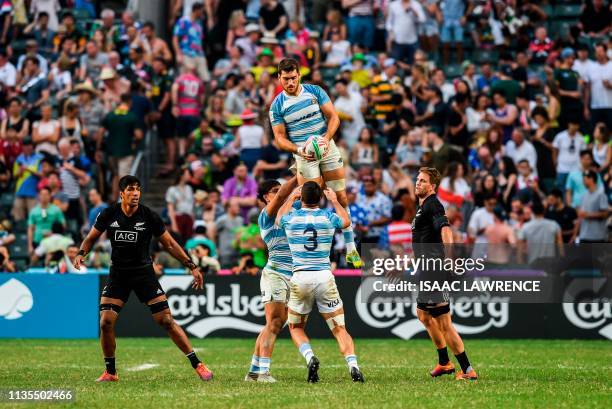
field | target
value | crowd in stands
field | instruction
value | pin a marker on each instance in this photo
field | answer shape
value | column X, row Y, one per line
column 511, row 100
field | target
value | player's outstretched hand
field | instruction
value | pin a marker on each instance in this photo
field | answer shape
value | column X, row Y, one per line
column 198, row 280
column 330, row 195
column 78, row 260
column 296, row 194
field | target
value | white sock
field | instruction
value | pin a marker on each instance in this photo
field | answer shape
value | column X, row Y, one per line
column 349, row 237
column 306, row 352
column 264, row 365
column 254, row 364
column 351, row 361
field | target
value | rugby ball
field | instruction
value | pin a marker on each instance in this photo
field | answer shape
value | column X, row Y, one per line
column 316, row 146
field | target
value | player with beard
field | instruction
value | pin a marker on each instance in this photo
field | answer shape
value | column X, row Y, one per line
column 430, row 233
column 130, row 226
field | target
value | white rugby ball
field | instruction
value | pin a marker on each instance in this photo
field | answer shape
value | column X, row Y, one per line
column 316, row 146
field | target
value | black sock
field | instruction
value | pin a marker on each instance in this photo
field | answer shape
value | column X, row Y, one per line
column 193, row 358
column 110, row 365
column 463, row 361
column 443, row 356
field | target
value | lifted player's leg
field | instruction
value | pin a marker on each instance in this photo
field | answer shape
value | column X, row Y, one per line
column 333, row 175
column 109, row 312
column 443, row 319
column 444, row 366
column 162, row 316
column 297, row 322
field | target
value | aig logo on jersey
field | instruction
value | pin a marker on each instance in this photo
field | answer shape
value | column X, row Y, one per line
column 129, row 236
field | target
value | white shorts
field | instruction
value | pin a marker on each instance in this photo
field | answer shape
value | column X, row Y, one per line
column 310, row 286
column 274, row 286
column 332, row 160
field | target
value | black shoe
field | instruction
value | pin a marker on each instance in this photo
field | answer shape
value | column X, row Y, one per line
column 357, row 375
column 313, row 368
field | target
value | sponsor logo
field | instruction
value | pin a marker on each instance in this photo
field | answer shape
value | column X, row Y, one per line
column 401, row 317
column 203, row 314
column 333, row 303
column 127, row 236
column 590, row 315
column 15, row 299
column 114, row 224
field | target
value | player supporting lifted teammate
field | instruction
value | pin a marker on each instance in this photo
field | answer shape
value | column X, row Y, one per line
column 297, row 113
column 275, row 277
column 430, row 230
column 130, row 227
column 310, row 231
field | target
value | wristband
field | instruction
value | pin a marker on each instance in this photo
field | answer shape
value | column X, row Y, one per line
column 81, row 253
column 189, row 264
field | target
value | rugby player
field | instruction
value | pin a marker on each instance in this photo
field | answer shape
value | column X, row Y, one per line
column 297, row 113
column 430, row 232
column 310, row 231
column 275, row 277
column 130, row 227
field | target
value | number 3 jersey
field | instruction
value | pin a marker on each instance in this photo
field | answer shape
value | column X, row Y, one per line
column 130, row 237
column 310, row 233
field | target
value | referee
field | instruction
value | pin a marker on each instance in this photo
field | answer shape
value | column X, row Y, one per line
column 430, row 232
column 130, row 227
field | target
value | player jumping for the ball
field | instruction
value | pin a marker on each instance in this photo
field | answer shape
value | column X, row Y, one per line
column 130, row 227
column 275, row 277
column 296, row 114
column 310, row 231
column 430, row 232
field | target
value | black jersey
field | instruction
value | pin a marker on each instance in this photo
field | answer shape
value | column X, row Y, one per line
column 426, row 228
column 130, row 237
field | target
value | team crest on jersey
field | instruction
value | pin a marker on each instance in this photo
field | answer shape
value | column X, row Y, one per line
column 140, row 226
column 127, row 236
column 314, row 101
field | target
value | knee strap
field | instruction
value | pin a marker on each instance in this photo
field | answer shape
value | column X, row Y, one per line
column 336, row 321
column 110, row 307
column 297, row 319
column 159, row 306
column 337, row 185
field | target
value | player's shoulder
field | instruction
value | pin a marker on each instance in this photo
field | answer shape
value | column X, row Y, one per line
column 264, row 220
column 313, row 89
column 277, row 102
column 112, row 209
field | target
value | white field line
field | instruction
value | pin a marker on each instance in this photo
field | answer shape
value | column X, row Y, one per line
column 142, row 367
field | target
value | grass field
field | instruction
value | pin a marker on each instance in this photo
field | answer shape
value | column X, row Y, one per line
column 517, row 373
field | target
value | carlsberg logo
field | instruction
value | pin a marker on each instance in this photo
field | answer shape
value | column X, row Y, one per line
column 205, row 313
column 401, row 317
column 590, row 316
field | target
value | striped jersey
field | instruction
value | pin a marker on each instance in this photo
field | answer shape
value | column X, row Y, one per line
column 279, row 255
column 301, row 114
column 310, row 233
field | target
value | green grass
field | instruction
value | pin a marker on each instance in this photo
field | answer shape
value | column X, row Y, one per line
column 513, row 373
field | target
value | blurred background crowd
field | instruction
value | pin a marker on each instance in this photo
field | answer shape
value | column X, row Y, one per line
column 511, row 100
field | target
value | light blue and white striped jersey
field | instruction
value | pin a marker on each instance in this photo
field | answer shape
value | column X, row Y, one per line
column 279, row 255
column 301, row 114
column 310, row 233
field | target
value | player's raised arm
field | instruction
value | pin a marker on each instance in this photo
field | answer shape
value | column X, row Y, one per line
column 178, row 253
column 280, row 198
column 296, row 194
column 340, row 211
column 87, row 244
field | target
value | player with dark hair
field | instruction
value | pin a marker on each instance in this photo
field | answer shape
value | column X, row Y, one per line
column 296, row 114
column 310, row 230
column 430, row 232
column 130, row 226
column 275, row 277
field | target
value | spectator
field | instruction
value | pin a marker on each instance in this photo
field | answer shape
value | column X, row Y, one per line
column 454, row 189
column 539, row 237
column 187, row 42
column 273, row 18
column 551, row 92
column 500, row 238
column 337, row 51
column 154, row 47
column 250, row 138
column 453, row 20
column 179, row 202
column 397, row 235
column 519, row 149
column 568, row 82
column 599, row 88
column 226, row 228
column 568, row 144
column 504, row 115
column 602, row 152
column 122, row 132
column 26, row 172
column 43, row 32
column 91, row 114
column 242, row 187
column 8, row 73
column 403, row 18
column 365, row 152
column 540, row 47
column 92, row 62
column 50, row 246
column 575, row 187
column 97, row 205
column 187, row 101
column 565, row 216
column 248, row 45
column 334, row 24
column 480, row 220
column 200, row 238
column 543, row 136
column 66, row 264
column 201, row 256
column 593, row 211
column 349, row 106
column 41, row 218
column 595, row 18
column 32, row 52
column 33, row 88
column 249, row 241
column 6, row 265
column 73, row 176
column 378, row 210
column 113, row 87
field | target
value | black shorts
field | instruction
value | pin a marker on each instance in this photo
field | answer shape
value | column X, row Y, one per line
column 166, row 126
column 185, row 125
column 433, row 310
column 433, row 296
column 140, row 280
